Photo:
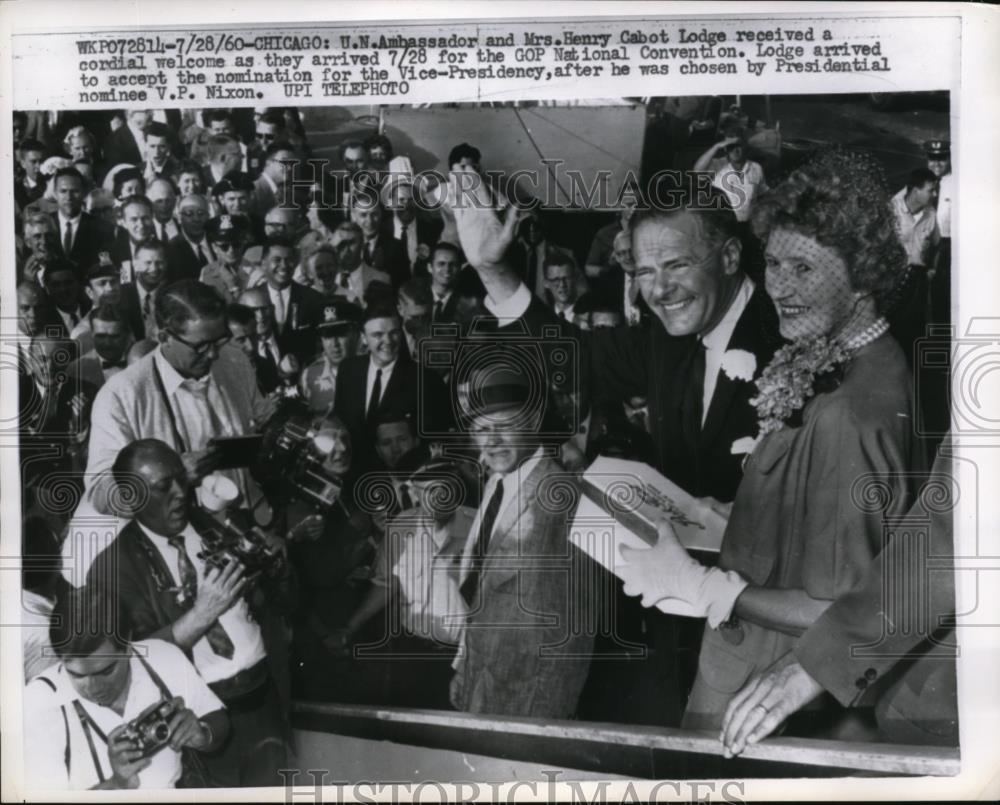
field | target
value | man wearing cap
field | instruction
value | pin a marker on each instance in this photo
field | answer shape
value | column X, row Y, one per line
column 104, row 286
column 227, row 236
column 339, row 330
column 523, row 651
column 415, row 582
column 939, row 163
column 190, row 251
column 385, row 382
column 741, row 179
column 80, row 234
column 234, row 194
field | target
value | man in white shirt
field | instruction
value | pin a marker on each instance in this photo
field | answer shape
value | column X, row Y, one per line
column 77, row 713
column 445, row 263
column 916, row 218
column 163, row 197
column 160, row 163
column 740, row 178
column 227, row 620
column 60, row 279
column 560, row 280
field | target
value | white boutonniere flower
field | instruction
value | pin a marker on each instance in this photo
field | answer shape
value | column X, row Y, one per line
column 738, row 364
column 744, row 446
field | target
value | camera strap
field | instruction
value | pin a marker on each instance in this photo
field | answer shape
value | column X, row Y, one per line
column 66, row 752
column 162, row 389
column 87, row 723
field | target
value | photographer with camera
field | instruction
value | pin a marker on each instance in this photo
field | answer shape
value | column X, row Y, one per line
column 105, row 717
column 231, row 627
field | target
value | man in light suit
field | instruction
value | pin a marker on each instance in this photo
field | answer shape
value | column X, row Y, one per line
column 189, row 390
column 523, row 653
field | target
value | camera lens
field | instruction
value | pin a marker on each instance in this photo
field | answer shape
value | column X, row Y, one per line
column 161, row 732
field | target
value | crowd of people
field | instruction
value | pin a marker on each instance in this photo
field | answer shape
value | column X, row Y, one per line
column 339, row 432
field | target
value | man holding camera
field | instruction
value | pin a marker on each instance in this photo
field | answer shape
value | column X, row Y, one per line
column 84, row 725
column 214, row 612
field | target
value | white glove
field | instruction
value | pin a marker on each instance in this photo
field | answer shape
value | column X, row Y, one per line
column 667, row 571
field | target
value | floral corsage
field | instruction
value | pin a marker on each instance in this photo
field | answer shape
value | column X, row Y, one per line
column 797, row 372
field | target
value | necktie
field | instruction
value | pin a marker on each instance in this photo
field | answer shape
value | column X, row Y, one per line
column 694, row 391
column 68, row 239
column 376, row 396
column 74, row 319
column 216, row 635
column 279, row 308
column 147, row 305
column 471, row 584
column 438, row 310
column 370, row 253
column 204, row 256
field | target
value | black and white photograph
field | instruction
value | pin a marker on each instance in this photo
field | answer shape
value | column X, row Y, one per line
column 603, row 444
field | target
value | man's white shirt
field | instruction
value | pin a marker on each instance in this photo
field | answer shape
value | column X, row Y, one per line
column 45, row 732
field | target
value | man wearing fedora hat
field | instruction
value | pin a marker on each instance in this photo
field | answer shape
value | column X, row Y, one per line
column 522, row 651
column 339, row 331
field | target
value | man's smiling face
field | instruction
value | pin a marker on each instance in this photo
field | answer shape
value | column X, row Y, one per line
column 686, row 278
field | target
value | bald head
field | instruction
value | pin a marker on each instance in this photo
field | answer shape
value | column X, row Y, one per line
column 152, row 486
column 258, row 300
column 193, row 212
column 32, row 302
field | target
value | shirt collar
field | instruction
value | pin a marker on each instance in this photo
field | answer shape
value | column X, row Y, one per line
column 718, row 338
column 75, row 221
column 188, row 531
column 172, row 379
column 386, row 370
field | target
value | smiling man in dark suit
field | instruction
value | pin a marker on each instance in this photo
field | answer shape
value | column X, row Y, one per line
column 385, row 381
column 296, row 308
column 81, row 236
column 696, row 362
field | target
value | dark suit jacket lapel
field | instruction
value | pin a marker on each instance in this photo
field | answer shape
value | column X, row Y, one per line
column 750, row 335
column 397, row 380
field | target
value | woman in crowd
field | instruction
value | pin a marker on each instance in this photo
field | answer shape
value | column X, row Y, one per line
column 835, row 440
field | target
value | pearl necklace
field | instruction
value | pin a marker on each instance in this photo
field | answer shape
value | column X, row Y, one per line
column 875, row 330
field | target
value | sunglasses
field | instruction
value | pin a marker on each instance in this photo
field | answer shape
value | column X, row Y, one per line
column 227, row 246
